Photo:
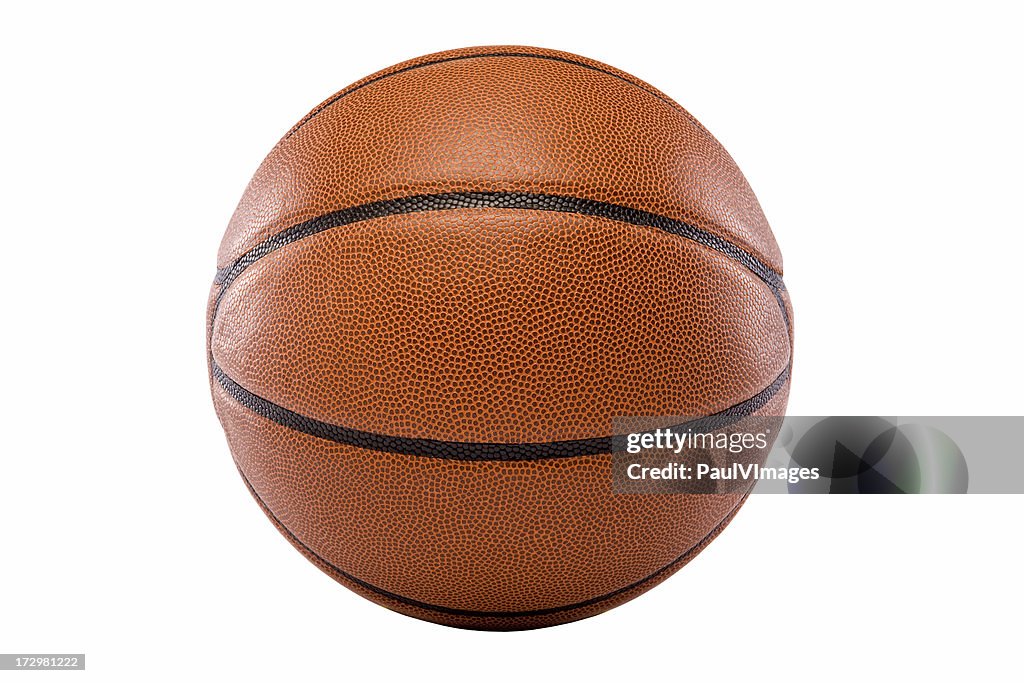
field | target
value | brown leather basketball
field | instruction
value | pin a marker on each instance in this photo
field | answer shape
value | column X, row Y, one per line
column 435, row 294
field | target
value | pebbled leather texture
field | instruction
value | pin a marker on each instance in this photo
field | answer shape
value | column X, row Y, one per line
column 448, row 277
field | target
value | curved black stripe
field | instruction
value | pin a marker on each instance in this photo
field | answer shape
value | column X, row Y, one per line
column 697, row 547
column 500, row 200
column 466, row 450
column 344, row 93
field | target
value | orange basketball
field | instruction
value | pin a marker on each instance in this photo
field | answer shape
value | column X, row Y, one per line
column 438, row 290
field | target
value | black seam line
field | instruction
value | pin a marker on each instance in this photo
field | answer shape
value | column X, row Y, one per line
column 450, row 201
column 467, row 450
column 697, row 547
column 325, row 105
column 499, row 200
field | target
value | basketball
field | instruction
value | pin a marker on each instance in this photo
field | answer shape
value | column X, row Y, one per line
column 436, row 293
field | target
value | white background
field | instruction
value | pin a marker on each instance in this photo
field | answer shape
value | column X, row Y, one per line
column 884, row 143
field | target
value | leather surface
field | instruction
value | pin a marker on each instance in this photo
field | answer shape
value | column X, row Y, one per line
column 491, row 325
column 494, row 123
column 490, row 305
column 484, row 538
